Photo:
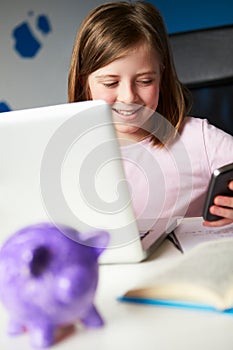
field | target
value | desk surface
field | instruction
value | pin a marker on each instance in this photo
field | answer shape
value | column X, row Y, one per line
column 132, row 326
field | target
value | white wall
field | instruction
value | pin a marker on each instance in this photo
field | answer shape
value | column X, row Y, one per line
column 40, row 80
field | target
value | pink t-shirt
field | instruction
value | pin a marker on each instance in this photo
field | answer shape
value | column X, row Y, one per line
column 172, row 181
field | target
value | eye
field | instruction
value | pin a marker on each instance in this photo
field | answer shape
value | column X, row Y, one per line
column 110, row 84
column 145, row 82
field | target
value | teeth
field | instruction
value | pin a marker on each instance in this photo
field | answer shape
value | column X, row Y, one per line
column 124, row 112
column 127, row 113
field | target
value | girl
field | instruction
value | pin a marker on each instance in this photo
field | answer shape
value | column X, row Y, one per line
column 122, row 55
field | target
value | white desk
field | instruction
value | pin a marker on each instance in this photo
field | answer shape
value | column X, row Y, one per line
column 139, row 327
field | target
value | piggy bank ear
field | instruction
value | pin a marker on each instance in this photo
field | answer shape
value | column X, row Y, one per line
column 97, row 239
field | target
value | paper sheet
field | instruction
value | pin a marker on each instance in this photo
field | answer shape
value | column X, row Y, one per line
column 192, row 232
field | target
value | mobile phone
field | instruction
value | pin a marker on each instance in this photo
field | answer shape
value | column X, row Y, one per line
column 218, row 185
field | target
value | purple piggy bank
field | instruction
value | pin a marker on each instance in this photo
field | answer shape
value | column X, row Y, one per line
column 48, row 279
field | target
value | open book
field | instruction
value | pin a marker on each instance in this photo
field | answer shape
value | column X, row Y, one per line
column 201, row 278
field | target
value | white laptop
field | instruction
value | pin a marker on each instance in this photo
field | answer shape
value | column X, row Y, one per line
column 62, row 164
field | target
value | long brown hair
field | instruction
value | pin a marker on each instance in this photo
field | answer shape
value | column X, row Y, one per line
column 109, row 32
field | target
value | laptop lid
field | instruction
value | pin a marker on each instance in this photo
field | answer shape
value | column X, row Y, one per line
column 63, row 164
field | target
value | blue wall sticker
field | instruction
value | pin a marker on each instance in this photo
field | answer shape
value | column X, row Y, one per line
column 27, row 44
column 4, row 107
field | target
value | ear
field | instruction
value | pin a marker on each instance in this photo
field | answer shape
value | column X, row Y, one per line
column 97, row 239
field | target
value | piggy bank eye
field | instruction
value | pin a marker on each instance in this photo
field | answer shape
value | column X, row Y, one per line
column 40, row 261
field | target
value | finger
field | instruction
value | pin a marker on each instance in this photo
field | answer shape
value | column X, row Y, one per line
column 224, row 212
column 231, row 185
column 224, row 201
column 217, row 223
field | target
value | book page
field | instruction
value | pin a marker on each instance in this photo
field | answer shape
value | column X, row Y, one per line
column 204, row 274
column 191, row 232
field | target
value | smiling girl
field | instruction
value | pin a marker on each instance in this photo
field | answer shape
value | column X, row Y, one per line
column 122, row 55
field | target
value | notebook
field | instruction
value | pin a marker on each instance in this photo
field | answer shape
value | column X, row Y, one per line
column 62, row 164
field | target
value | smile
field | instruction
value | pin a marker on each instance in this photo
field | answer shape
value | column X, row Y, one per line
column 127, row 114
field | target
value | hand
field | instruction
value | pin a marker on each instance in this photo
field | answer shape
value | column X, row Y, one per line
column 223, row 206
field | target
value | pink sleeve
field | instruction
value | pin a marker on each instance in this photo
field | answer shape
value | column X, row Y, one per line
column 218, row 146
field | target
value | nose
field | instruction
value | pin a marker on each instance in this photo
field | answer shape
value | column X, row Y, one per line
column 127, row 93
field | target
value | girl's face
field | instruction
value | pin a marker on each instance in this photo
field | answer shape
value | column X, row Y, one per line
column 129, row 84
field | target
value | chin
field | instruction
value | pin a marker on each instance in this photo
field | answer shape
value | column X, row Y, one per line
column 127, row 129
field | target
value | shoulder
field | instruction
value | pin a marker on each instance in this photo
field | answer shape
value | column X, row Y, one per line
column 201, row 136
column 193, row 126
